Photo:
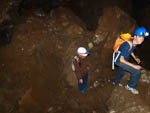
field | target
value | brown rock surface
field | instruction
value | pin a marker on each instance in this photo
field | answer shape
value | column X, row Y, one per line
column 36, row 68
column 121, row 101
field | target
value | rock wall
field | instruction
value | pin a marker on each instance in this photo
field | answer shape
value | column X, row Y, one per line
column 121, row 101
column 37, row 65
column 9, row 17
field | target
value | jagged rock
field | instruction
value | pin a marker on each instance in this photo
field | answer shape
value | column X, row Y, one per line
column 67, row 23
column 122, row 101
column 45, row 57
column 98, row 38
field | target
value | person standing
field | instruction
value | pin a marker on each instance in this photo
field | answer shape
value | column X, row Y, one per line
column 81, row 68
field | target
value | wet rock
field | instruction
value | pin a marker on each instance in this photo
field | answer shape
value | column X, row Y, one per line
column 123, row 101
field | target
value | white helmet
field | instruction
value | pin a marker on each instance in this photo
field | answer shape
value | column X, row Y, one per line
column 82, row 51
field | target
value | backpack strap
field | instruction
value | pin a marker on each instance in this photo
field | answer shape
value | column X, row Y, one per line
column 77, row 58
column 115, row 59
column 130, row 44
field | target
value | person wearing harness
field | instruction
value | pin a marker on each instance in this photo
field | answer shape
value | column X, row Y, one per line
column 124, row 65
column 81, row 68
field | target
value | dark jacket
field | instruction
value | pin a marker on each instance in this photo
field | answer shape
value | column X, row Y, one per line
column 81, row 68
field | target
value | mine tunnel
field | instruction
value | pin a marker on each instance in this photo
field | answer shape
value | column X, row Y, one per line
column 39, row 39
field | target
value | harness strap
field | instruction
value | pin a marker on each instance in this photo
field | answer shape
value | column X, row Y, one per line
column 115, row 59
column 78, row 60
column 113, row 63
column 130, row 43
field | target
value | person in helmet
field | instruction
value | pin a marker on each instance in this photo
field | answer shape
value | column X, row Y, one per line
column 81, row 68
column 125, row 66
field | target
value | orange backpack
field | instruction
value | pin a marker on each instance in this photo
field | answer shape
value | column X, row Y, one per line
column 121, row 40
column 118, row 43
